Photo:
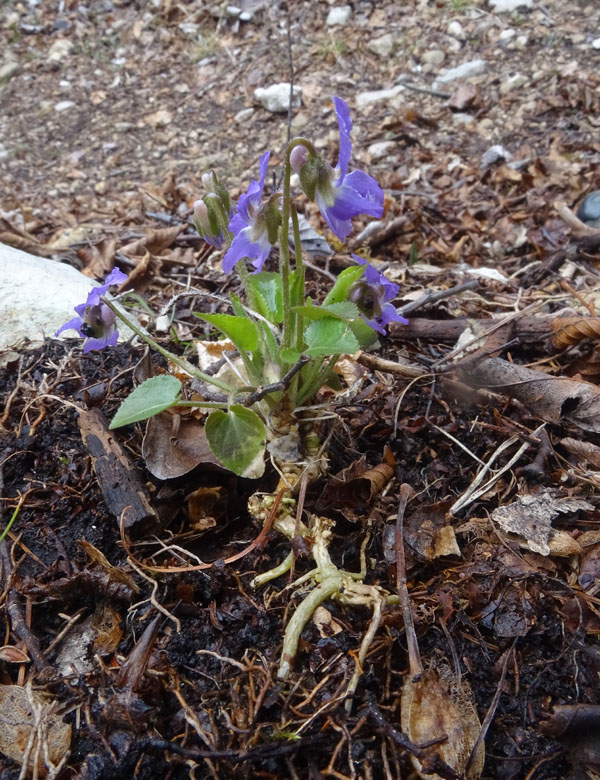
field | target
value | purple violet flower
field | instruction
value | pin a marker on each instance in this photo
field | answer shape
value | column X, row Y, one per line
column 352, row 193
column 372, row 294
column 249, row 226
column 95, row 321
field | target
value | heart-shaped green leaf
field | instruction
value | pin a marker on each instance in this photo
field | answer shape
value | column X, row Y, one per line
column 329, row 336
column 151, row 397
column 237, row 438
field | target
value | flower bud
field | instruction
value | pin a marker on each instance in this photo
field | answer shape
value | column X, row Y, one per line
column 211, row 183
column 298, row 158
column 212, row 220
column 272, row 217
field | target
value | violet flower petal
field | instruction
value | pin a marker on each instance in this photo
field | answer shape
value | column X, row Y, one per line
column 345, row 124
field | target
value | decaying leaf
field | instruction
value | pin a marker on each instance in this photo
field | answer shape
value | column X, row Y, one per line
column 106, row 622
column 585, row 450
column 530, row 516
column 205, row 506
column 554, row 399
column 154, row 242
column 114, row 573
column 12, row 655
column 171, row 449
column 569, row 331
column 356, row 486
column 437, row 705
column 31, row 732
column 428, row 533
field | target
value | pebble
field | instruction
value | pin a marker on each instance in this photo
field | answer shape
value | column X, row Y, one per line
column 505, row 6
column 506, row 35
column 456, row 30
column 243, row 115
column 381, row 149
column 511, row 83
column 8, row 70
column 461, row 118
column 494, row 154
column 589, row 209
column 383, row 46
column 276, row 98
column 339, row 15
column 365, row 98
column 596, row 44
column 434, row 57
column 522, row 42
column 64, row 105
column 59, row 51
column 464, row 71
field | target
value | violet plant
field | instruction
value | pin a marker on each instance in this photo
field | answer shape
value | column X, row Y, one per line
column 287, row 344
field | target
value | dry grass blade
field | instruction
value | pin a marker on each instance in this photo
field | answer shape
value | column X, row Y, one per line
column 435, row 705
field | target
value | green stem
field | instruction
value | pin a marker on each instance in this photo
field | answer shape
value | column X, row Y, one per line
column 284, row 247
column 181, row 362
column 314, row 383
column 202, row 404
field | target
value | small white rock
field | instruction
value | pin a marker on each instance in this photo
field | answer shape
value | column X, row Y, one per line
column 506, row 35
column 596, row 44
column 522, row 42
column 505, row 6
column 339, row 15
column 59, row 50
column 460, row 118
column 383, row 46
column 8, row 70
column 494, row 154
column 434, row 57
column 63, row 105
column 276, row 98
column 243, row 115
column 511, row 83
column 381, row 149
column 365, row 98
column 464, row 71
column 456, row 30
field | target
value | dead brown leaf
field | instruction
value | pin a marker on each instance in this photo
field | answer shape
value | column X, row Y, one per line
column 554, row 399
column 30, row 730
column 530, row 517
column 171, row 452
column 155, row 242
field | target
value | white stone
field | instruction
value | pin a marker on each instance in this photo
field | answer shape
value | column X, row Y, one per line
column 512, row 82
column 276, row 98
column 243, row 115
column 381, row 149
column 365, row 98
column 460, row 118
column 339, row 14
column 522, row 41
column 464, row 71
column 59, row 50
column 63, row 105
column 596, row 43
column 505, row 6
column 506, row 35
column 8, row 70
column 383, row 46
column 37, row 296
column 456, row 30
column 434, row 57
